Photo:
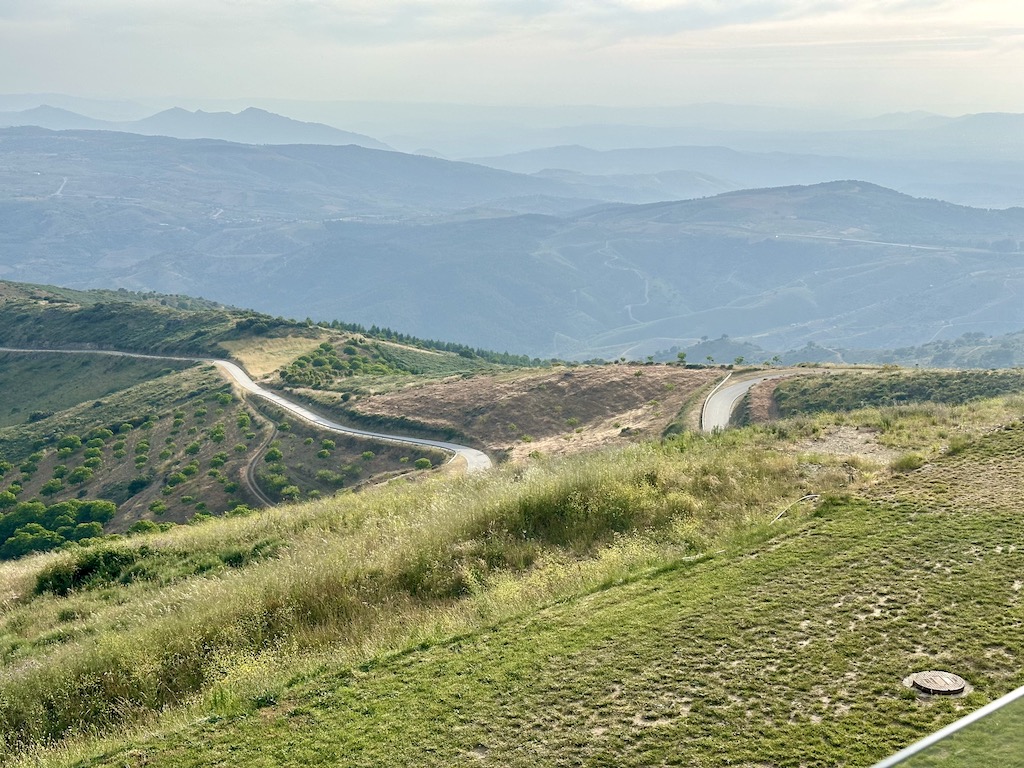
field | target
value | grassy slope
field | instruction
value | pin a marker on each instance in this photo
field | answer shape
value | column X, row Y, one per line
column 799, row 648
column 783, row 651
column 55, row 382
column 842, row 391
column 364, row 571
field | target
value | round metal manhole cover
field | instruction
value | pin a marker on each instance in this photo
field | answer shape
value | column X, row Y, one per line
column 938, row 682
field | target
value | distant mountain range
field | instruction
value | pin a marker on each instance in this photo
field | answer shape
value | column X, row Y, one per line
column 250, row 126
column 501, row 260
column 695, row 151
column 972, row 161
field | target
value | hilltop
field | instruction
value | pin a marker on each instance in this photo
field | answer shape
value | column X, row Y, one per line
column 249, row 126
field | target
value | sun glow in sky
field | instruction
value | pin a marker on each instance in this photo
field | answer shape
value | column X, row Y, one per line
column 859, row 56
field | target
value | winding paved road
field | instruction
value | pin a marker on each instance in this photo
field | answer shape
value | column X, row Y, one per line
column 722, row 401
column 476, row 461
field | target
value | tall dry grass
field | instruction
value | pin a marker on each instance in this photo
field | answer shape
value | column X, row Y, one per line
column 362, row 574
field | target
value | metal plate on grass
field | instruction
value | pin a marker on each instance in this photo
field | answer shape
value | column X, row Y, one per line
column 938, row 682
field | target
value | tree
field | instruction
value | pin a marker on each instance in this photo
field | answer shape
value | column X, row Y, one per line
column 30, row 538
column 80, row 475
column 87, row 531
column 51, row 487
column 681, row 357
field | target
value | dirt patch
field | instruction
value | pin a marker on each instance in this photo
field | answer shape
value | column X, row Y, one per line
column 846, row 440
column 553, row 412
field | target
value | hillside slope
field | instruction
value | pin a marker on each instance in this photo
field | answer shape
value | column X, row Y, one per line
column 844, row 264
column 499, row 260
column 698, row 634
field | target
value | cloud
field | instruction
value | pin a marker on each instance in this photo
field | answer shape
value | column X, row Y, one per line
column 399, row 21
column 603, row 51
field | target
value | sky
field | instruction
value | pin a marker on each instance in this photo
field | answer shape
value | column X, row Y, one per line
column 860, row 57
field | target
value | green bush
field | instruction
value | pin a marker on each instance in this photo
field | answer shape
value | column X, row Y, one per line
column 106, row 564
column 908, row 462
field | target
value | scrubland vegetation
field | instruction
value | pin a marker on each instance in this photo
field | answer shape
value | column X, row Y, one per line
column 850, row 391
column 362, row 571
column 632, row 607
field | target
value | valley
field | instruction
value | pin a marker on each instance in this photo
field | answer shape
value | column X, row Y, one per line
column 534, row 266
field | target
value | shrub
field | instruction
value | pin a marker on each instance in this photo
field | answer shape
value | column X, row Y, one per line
column 908, row 462
column 70, row 442
column 98, row 564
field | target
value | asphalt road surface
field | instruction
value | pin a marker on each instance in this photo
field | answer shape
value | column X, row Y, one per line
column 720, row 404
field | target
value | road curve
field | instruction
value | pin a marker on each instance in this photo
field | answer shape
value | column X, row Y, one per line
column 722, row 401
column 476, row 461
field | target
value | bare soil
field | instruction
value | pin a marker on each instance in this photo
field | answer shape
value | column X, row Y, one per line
column 553, row 412
column 846, row 440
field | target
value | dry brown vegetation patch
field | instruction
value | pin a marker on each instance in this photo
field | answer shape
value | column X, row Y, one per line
column 263, row 355
column 554, row 412
column 760, row 405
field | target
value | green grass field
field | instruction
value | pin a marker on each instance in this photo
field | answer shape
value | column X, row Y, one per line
column 630, row 608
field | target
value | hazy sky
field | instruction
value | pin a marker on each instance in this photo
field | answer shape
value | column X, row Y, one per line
column 862, row 56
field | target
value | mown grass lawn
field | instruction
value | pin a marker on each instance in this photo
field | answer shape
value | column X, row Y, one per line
column 788, row 652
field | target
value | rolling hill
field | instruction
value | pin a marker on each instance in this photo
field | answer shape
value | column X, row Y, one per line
column 500, row 260
column 759, row 595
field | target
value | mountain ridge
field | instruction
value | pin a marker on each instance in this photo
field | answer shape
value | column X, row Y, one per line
column 249, row 126
column 493, row 259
